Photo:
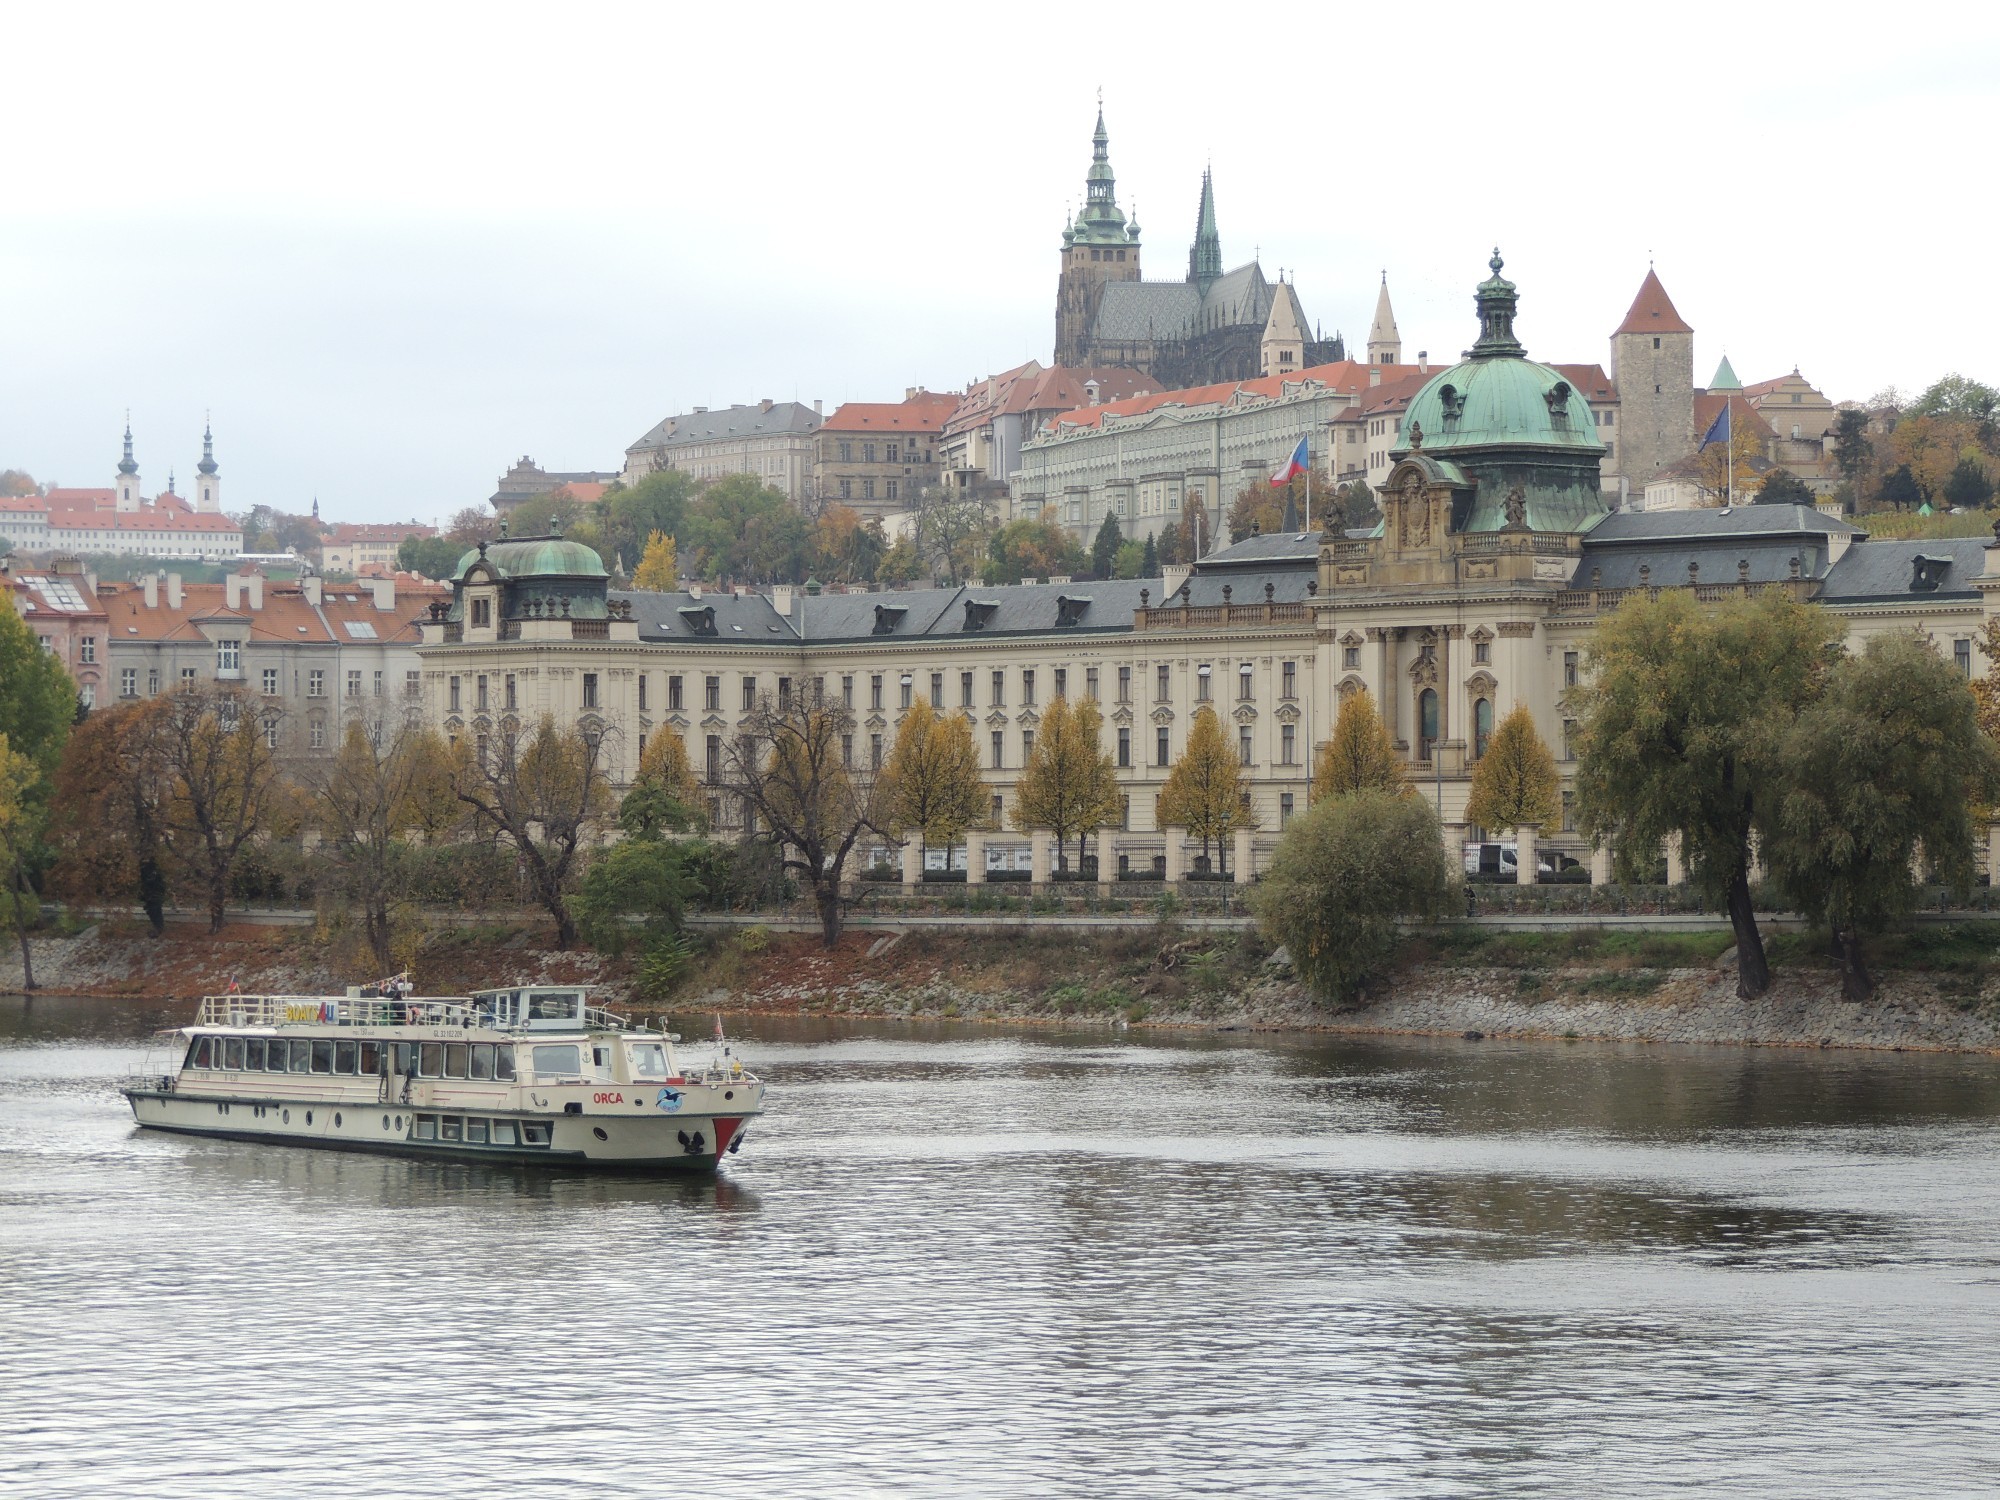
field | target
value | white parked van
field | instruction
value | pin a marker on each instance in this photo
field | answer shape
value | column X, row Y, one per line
column 1500, row 859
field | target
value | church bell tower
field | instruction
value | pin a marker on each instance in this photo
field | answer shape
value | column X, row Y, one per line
column 1099, row 246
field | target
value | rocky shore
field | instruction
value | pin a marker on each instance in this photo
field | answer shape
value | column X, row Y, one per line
column 1138, row 979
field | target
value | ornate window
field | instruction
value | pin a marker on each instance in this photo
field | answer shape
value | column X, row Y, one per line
column 1427, row 723
column 1482, row 726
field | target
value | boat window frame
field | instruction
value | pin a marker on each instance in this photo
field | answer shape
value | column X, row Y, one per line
column 456, row 1058
column 452, row 1128
column 504, row 1068
column 322, row 1052
column 481, row 1063
column 301, row 1054
column 278, row 1055
column 476, row 1130
column 253, row 1054
column 371, row 1059
column 504, row 1133
column 575, row 1049
column 536, row 1133
column 344, row 1055
column 403, row 1059
column 658, row 1049
column 424, row 1128
column 430, row 1059
column 200, row 1054
column 232, row 1054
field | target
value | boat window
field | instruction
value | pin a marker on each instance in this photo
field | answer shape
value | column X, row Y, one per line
column 343, row 1057
column 503, row 1063
column 533, row 1134
column 649, row 1060
column 503, row 1132
column 253, row 1054
column 482, row 1060
column 430, row 1060
column 371, row 1058
column 600, row 1060
column 232, row 1054
column 402, row 1062
column 301, row 1056
column 322, row 1054
column 204, row 1051
column 451, row 1128
column 277, row 1057
column 558, row 1005
column 427, row 1127
column 454, row 1059
column 475, row 1132
column 565, row 1059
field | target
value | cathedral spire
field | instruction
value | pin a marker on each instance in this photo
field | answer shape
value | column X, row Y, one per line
column 1205, row 257
column 1385, row 344
column 1100, row 222
column 207, row 464
column 128, row 464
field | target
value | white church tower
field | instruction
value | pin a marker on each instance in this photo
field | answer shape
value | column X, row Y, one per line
column 207, row 485
column 1385, row 345
column 128, row 473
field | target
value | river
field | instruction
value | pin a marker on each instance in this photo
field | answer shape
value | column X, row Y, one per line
column 961, row 1260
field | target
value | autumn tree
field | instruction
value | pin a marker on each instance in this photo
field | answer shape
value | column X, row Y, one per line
column 665, row 797
column 1205, row 791
column 845, row 548
column 107, row 805
column 951, row 533
column 900, row 565
column 659, row 570
column 1887, row 762
column 474, row 524
column 22, row 810
column 932, row 775
column 430, row 556
column 1069, row 785
column 1678, row 725
column 545, row 793
column 37, row 697
column 1357, row 756
column 789, row 767
column 628, row 515
column 220, row 774
column 1515, row 782
column 1343, row 879
column 1728, row 466
column 1031, row 548
column 364, row 804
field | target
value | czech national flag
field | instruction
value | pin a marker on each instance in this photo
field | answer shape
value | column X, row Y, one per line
column 1296, row 464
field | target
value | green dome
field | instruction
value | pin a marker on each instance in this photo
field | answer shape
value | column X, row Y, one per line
column 1500, row 400
column 537, row 557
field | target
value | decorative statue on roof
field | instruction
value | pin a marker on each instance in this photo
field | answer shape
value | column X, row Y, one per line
column 1517, row 509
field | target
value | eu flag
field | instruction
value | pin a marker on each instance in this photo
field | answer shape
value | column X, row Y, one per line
column 1718, row 431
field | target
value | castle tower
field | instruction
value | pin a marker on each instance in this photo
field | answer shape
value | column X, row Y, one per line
column 1652, row 365
column 1098, row 247
column 128, row 474
column 1205, row 255
column 1282, row 350
column 1385, row 344
column 207, row 485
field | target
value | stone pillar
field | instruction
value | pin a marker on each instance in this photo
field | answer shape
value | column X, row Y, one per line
column 1107, row 858
column 1600, row 865
column 1526, row 862
column 975, row 856
column 1454, row 845
column 1242, row 856
column 1676, row 870
column 1176, row 851
column 1041, row 847
column 913, row 863
column 1387, row 694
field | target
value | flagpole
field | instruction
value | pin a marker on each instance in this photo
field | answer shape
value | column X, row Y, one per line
column 1729, row 451
column 1309, row 488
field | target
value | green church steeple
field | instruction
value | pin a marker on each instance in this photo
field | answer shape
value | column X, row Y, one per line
column 1205, row 256
column 1101, row 222
column 1497, row 302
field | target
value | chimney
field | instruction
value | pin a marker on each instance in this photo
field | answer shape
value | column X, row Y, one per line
column 312, row 587
column 173, row 591
column 232, row 590
column 694, row 592
column 385, row 593
column 781, row 599
column 910, row 392
column 815, row 406
column 151, row 583
column 1090, row 393
column 1374, row 374
column 765, row 404
column 1423, row 361
column 255, row 583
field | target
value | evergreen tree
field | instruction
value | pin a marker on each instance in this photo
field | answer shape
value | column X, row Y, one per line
column 933, row 784
column 1515, row 781
column 1900, row 488
column 1104, row 551
column 1204, row 792
column 665, row 797
column 1149, row 565
column 1783, row 487
column 1968, row 487
column 1069, row 785
column 1357, row 756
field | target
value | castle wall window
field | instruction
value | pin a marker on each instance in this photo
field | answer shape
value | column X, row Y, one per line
column 270, row 683
column 451, row 701
column 1569, row 669
column 590, row 690
column 909, row 690
column 1482, row 652
column 749, row 692
column 1124, row 747
column 846, row 489
column 1163, row 684
column 1961, row 657
column 997, row 761
column 874, row 752
column 1062, row 682
column 376, row 684
column 1028, row 687
column 847, row 691
column 1161, row 752
column 1350, row 658
column 875, row 692
column 714, row 760
column 413, row 685
column 642, row 691
column 128, row 682
column 1288, row 744
column 674, row 693
column 1027, row 745
column 847, row 751
column 1482, row 726
column 482, row 611
column 478, row 694
column 999, row 689
column 937, row 690
column 965, row 690
column 1284, row 810
column 1090, row 683
column 317, row 735
column 890, row 489
column 1124, row 684
column 1427, row 723
column 1288, row 677
column 1243, row 683
column 712, row 694
column 1243, row 743
column 354, row 684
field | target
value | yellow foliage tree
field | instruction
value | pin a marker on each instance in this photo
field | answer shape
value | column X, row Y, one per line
column 934, row 786
column 659, row 568
column 1515, row 781
column 1357, row 756
column 20, row 824
column 665, row 794
column 1069, row 785
column 1720, row 466
column 1204, row 792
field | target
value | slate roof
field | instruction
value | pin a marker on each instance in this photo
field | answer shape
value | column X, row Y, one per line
column 1262, row 551
column 747, row 619
column 1741, row 521
column 729, row 421
column 1135, row 311
column 1766, row 537
column 1881, row 571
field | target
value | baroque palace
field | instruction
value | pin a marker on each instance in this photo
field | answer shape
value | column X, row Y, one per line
column 1496, row 557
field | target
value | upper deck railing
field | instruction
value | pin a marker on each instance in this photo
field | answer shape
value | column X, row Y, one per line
column 367, row 1010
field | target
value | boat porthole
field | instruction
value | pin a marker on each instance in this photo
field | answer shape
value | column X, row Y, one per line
column 729, row 1093
column 309, row 1117
column 288, row 1117
column 598, row 1131
column 399, row 1122
column 222, row 1109
column 385, row 1122
column 336, row 1119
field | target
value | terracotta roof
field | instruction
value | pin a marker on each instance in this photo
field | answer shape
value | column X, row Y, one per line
column 985, row 397
column 286, row 615
column 72, row 497
column 1589, row 381
column 1392, row 395
column 583, row 491
column 1652, row 310
column 1770, row 387
column 31, row 507
column 1708, row 406
column 1061, row 388
column 1348, row 377
column 927, row 411
column 142, row 520
column 354, row 531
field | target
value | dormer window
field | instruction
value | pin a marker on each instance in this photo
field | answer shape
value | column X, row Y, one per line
column 1927, row 573
column 1452, row 400
column 482, row 612
column 1558, row 400
column 887, row 618
column 979, row 613
column 699, row 619
column 1070, row 609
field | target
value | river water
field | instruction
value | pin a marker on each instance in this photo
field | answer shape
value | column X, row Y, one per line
column 958, row 1260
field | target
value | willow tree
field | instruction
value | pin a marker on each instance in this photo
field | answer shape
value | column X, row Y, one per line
column 1069, row 785
column 1679, row 724
column 1515, row 781
column 1888, row 763
column 1357, row 756
column 1205, row 791
column 932, row 776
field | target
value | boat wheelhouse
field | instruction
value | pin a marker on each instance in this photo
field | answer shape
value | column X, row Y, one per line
column 528, row 1074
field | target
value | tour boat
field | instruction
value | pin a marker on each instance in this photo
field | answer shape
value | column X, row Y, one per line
column 527, row 1075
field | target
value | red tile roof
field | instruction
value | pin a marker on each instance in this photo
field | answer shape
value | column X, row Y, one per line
column 927, row 411
column 582, row 491
column 1652, row 310
column 1348, row 377
column 1708, row 406
column 356, row 531
column 1590, row 381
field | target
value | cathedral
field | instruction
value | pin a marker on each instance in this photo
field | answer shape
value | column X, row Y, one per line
column 1210, row 327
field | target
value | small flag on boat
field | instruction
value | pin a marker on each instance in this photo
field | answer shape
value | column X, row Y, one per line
column 1296, row 464
column 718, row 1028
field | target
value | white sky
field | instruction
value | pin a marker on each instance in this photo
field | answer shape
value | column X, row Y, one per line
column 393, row 247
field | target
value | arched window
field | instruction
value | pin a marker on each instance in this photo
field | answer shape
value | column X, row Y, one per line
column 1482, row 726
column 1427, row 722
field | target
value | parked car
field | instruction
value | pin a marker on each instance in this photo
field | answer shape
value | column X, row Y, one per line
column 1501, row 859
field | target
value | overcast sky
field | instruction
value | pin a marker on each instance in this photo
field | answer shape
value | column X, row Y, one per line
column 392, row 248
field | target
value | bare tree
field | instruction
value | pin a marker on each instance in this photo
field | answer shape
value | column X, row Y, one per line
column 217, row 752
column 952, row 529
column 546, row 792
column 792, row 766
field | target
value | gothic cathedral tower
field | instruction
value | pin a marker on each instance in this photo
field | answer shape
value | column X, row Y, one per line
column 1099, row 247
column 1652, row 365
